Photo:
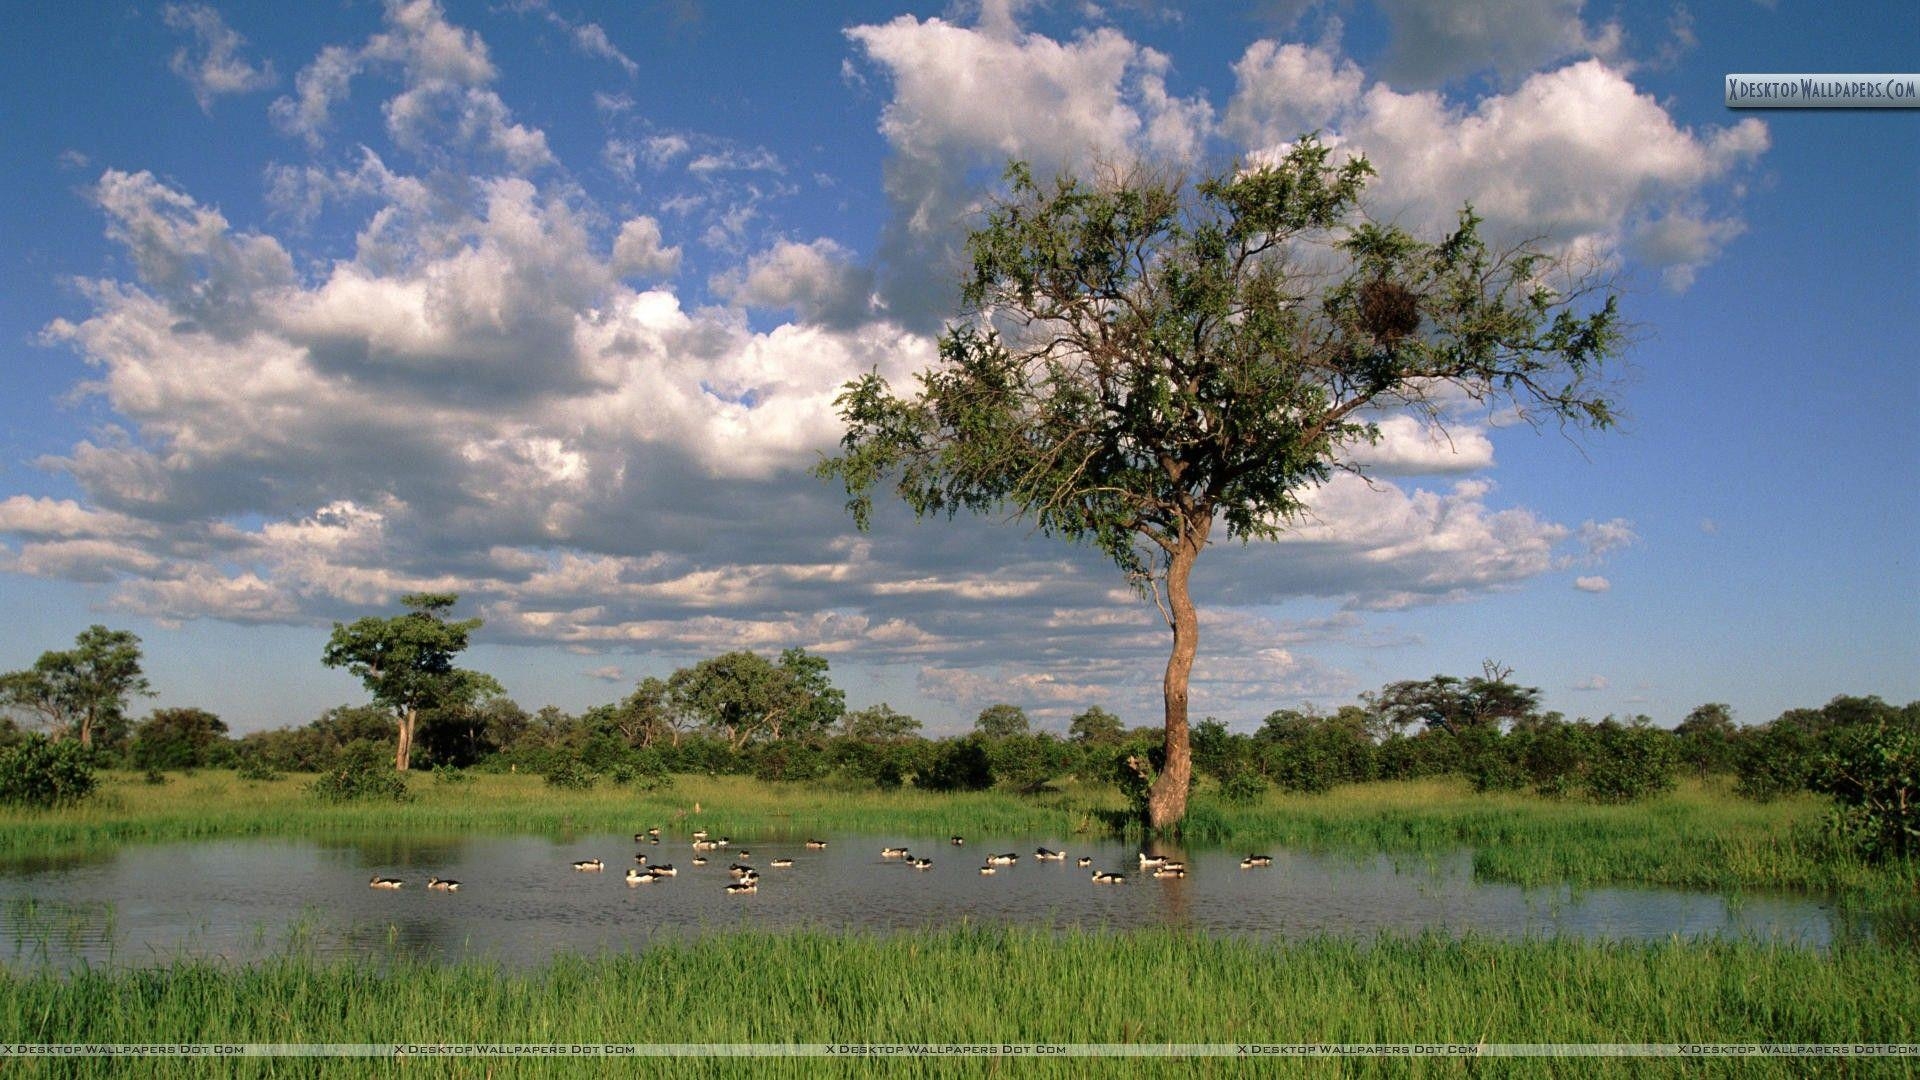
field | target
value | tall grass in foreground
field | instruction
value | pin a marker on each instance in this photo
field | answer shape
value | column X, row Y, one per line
column 977, row 984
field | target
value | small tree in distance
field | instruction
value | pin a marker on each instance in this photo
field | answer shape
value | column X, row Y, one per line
column 1002, row 721
column 1095, row 726
column 81, row 692
column 1140, row 359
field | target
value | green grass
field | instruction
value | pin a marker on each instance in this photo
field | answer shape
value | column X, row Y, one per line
column 976, row 984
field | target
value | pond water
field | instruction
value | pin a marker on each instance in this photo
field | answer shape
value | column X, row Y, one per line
column 521, row 903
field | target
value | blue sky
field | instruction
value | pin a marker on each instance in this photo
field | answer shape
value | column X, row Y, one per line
column 543, row 302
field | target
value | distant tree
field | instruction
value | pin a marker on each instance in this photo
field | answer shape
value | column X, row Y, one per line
column 743, row 696
column 1140, row 358
column 1217, row 752
column 960, row 765
column 1454, row 705
column 1630, row 761
column 1707, row 738
column 406, row 662
column 81, row 692
column 1001, row 721
column 1096, row 727
column 177, row 739
column 879, row 723
column 646, row 716
column 822, row 703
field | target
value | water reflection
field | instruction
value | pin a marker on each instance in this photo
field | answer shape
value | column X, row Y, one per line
column 521, row 901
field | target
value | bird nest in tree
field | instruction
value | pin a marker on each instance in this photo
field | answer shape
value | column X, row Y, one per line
column 1389, row 310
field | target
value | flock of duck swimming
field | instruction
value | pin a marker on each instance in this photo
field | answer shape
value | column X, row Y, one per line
column 746, row 878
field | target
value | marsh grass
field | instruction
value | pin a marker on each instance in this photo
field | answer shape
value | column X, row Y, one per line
column 979, row 984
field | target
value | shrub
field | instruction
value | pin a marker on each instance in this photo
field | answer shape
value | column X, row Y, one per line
column 1630, row 762
column 154, row 777
column 1493, row 769
column 789, row 760
column 1774, row 760
column 962, row 765
column 451, row 775
column 1243, row 786
column 1555, row 757
column 1305, row 752
column 255, row 768
column 363, row 770
column 1403, row 757
column 41, row 773
column 1874, row 774
column 570, row 775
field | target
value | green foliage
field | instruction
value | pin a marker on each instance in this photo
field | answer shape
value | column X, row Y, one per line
column 1775, row 760
column 451, row 776
column 406, row 662
column 178, row 739
column 41, row 773
column 82, row 691
column 645, row 770
column 1096, row 727
column 960, row 765
column 1873, row 773
column 1630, row 762
column 879, row 723
column 363, row 772
column 1303, row 751
column 1555, row 756
column 1243, row 786
column 742, row 696
column 1707, row 737
column 255, row 769
column 1138, row 357
column 1133, row 766
column 1453, row 704
column 1216, row 751
column 1027, row 762
column 570, row 774
column 1002, row 721
column 789, row 759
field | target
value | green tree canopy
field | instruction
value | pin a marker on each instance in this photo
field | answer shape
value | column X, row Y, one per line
column 81, row 692
column 1452, row 704
column 1095, row 726
column 879, row 723
column 184, row 738
column 406, row 662
column 1001, row 721
column 1139, row 359
column 742, row 696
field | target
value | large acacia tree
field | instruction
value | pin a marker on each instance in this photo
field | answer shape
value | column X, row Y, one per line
column 1140, row 360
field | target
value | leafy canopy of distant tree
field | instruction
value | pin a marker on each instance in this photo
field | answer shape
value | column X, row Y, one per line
column 181, row 738
column 1139, row 359
column 743, row 696
column 82, row 692
column 1002, row 721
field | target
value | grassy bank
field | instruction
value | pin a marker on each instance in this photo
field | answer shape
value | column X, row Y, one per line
column 979, row 984
column 1700, row 836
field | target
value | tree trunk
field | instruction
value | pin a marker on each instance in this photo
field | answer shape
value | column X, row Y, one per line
column 403, row 754
column 1167, row 799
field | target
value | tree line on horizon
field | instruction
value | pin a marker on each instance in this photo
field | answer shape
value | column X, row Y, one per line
column 782, row 719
